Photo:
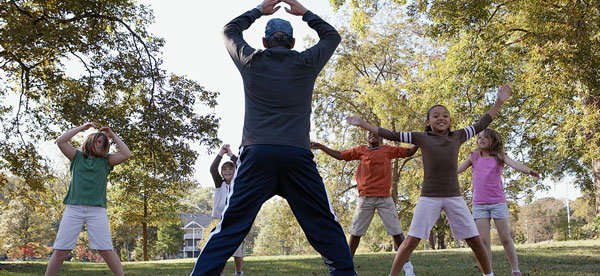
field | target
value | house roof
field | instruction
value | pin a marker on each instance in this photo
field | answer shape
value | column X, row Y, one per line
column 195, row 220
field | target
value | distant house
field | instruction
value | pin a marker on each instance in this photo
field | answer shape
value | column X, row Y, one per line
column 194, row 226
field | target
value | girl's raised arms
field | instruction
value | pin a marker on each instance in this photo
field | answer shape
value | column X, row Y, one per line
column 123, row 154
column 63, row 141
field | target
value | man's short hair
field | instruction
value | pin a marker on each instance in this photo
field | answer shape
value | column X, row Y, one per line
column 279, row 39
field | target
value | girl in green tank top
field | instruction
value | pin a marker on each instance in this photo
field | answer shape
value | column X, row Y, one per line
column 86, row 198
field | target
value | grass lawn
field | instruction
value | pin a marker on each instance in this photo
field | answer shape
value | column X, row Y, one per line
column 558, row 258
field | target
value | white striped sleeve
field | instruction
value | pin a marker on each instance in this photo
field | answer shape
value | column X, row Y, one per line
column 470, row 130
column 405, row 137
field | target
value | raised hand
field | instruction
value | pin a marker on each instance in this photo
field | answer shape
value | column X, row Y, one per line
column 268, row 6
column 534, row 173
column 315, row 145
column 88, row 125
column 354, row 120
column 295, row 7
column 503, row 93
column 108, row 132
column 224, row 150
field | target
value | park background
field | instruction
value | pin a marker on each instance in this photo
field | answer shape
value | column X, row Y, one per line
column 174, row 101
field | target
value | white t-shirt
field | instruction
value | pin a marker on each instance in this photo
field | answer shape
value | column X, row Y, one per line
column 220, row 199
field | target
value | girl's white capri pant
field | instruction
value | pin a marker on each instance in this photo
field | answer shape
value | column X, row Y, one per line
column 75, row 216
column 427, row 213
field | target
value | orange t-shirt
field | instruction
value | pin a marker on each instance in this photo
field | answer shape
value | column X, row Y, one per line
column 374, row 174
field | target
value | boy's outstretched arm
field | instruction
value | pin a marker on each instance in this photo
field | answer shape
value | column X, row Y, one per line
column 331, row 152
column 519, row 167
column 501, row 97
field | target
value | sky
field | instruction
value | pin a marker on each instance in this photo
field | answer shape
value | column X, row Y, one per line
column 194, row 48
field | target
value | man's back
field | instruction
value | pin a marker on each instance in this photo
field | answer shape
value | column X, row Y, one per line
column 278, row 82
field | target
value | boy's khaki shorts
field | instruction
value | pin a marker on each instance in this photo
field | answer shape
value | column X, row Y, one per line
column 365, row 209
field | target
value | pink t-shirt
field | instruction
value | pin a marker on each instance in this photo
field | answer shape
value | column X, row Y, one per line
column 487, row 180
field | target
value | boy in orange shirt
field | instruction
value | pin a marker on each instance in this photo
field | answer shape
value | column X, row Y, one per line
column 374, row 181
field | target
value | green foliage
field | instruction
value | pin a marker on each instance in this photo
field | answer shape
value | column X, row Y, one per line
column 30, row 221
column 548, row 52
column 199, row 200
column 280, row 233
column 120, row 85
column 207, row 231
column 537, row 220
column 170, row 239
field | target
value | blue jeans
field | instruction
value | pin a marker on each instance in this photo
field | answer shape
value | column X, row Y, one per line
column 290, row 172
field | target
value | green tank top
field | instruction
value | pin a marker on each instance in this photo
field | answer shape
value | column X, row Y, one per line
column 88, row 181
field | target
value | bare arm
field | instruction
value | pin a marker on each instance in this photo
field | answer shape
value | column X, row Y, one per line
column 123, row 154
column 465, row 165
column 333, row 153
column 410, row 151
column 501, row 97
column 357, row 121
column 63, row 141
column 519, row 167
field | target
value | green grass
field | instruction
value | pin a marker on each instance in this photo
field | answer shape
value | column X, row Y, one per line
column 558, row 258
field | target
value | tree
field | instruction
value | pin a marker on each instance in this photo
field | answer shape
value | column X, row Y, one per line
column 39, row 40
column 148, row 187
column 170, row 239
column 199, row 201
column 280, row 233
column 28, row 221
column 121, row 85
column 537, row 219
column 377, row 74
column 549, row 52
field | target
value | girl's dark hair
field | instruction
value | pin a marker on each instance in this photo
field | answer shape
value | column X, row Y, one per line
column 428, row 128
column 90, row 141
column 496, row 148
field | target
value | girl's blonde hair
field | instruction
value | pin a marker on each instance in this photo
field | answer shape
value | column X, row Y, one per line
column 90, row 141
column 496, row 148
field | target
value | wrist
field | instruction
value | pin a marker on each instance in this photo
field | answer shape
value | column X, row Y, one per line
column 260, row 8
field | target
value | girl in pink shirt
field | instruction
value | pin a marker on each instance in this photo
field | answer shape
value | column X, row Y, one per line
column 489, row 200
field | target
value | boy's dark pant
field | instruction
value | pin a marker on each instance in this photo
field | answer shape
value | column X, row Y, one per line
column 290, row 172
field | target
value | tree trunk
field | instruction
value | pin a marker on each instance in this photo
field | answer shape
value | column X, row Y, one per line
column 145, row 229
column 395, row 180
column 596, row 169
column 441, row 244
column 431, row 240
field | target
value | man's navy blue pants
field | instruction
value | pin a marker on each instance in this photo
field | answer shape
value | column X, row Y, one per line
column 290, row 172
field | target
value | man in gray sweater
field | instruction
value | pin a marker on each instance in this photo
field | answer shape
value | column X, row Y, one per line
column 275, row 156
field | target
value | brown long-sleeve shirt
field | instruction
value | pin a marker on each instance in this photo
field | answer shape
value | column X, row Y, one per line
column 440, row 155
